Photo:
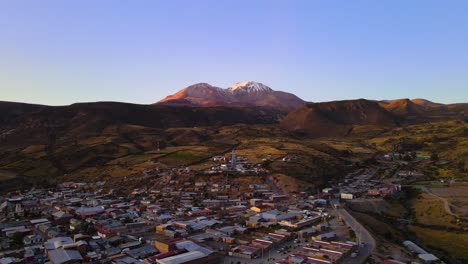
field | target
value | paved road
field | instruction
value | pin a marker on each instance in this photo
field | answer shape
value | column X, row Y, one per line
column 363, row 235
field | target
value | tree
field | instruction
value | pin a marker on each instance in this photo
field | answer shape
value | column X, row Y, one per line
column 127, row 220
column 407, row 157
column 352, row 234
column 18, row 239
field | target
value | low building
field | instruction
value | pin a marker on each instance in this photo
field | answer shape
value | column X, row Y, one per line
column 65, row 256
column 166, row 245
column 346, row 196
column 243, row 251
column 326, row 236
column 261, row 243
column 200, row 212
column 192, row 257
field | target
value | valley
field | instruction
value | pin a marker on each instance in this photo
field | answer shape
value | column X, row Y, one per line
column 386, row 172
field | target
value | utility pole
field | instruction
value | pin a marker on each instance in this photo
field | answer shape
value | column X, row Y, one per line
column 233, row 159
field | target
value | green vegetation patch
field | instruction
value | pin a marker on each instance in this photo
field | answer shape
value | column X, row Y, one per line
column 184, row 157
column 6, row 175
column 429, row 210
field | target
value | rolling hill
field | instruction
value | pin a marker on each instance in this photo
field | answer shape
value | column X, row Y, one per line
column 23, row 124
column 336, row 118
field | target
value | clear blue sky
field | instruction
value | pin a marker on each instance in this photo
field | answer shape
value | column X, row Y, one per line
column 61, row 52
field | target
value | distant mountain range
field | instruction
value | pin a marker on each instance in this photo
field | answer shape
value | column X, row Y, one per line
column 206, row 105
column 40, row 143
column 339, row 118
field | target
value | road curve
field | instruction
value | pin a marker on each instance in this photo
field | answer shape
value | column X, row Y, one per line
column 363, row 235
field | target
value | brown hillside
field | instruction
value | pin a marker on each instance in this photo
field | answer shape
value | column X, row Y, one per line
column 28, row 124
column 404, row 107
column 336, row 118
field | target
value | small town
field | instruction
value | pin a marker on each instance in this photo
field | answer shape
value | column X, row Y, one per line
column 194, row 222
column 233, row 132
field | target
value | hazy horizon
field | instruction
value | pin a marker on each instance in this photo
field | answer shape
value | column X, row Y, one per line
column 59, row 53
column 123, row 101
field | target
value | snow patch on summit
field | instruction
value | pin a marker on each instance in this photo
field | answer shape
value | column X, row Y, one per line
column 249, row 87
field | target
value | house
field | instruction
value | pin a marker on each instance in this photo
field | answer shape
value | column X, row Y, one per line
column 261, row 208
column 32, row 240
column 85, row 212
column 323, row 227
column 294, row 224
column 166, row 245
column 255, row 202
column 228, row 240
column 244, row 251
column 123, row 259
column 192, row 246
column 428, row 258
column 277, row 197
column 297, row 259
column 307, row 232
column 277, row 238
column 57, row 242
column 389, row 189
column 261, row 243
column 142, row 252
column 346, row 196
column 189, row 257
column 65, row 256
column 254, row 221
column 326, row 236
column 31, row 207
column 205, row 211
column 155, row 258
column 60, row 217
column 106, row 233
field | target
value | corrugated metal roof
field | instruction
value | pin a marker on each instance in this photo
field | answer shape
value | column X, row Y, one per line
column 60, row 256
column 182, row 258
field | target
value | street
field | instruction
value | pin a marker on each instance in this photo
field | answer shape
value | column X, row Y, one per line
column 363, row 237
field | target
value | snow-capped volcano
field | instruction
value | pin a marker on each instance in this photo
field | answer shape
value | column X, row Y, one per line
column 240, row 94
column 249, row 87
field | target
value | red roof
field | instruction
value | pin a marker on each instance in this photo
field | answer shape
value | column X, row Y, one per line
column 105, row 231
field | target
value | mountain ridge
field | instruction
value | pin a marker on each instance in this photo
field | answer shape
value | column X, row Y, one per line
column 336, row 118
column 240, row 94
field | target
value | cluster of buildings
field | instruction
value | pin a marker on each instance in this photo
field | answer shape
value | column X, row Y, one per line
column 364, row 185
column 172, row 220
column 189, row 222
column 319, row 252
column 421, row 254
column 234, row 164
